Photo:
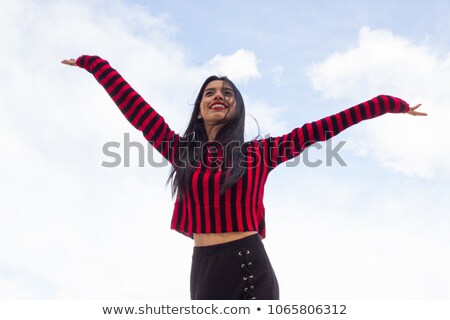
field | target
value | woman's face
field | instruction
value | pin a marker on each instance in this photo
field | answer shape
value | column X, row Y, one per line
column 218, row 102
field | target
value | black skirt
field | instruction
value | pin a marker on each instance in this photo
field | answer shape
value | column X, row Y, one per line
column 235, row 270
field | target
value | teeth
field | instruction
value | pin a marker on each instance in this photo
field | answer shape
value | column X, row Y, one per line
column 218, row 106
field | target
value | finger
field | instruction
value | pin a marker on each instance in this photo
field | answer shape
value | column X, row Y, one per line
column 417, row 113
column 416, row 106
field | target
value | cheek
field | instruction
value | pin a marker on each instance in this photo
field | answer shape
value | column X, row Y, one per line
column 203, row 105
column 232, row 109
column 231, row 112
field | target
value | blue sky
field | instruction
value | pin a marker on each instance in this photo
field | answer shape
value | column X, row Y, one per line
column 376, row 228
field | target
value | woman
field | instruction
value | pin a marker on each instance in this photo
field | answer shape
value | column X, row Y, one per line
column 219, row 179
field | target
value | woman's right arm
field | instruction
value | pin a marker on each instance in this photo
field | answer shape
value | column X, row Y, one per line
column 137, row 111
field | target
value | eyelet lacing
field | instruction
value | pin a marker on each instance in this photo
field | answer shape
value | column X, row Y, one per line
column 248, row 276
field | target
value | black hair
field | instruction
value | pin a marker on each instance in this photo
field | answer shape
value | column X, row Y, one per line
column 230, row 136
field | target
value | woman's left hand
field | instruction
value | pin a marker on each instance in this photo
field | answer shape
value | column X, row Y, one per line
column 412, row 111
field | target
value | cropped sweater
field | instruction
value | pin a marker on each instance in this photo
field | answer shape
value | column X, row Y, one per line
column 240, row 207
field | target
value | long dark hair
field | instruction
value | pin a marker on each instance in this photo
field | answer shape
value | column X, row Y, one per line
column 230, row 136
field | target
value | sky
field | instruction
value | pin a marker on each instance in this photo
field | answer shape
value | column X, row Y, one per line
column 377, row 227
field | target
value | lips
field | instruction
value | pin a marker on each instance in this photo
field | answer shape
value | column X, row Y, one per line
column 218, row 106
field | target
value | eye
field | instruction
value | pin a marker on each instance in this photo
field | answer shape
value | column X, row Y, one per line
column 228, row 93
column 208, row 93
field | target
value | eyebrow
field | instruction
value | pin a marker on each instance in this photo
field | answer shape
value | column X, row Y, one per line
column 222, row 88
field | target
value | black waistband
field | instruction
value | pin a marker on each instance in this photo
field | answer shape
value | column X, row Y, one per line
column 235, row 245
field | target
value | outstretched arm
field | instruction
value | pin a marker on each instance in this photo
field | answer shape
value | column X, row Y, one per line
column 282, row 148
column 137, row 111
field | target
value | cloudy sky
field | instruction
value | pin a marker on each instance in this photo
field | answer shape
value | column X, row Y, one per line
column 378, row 227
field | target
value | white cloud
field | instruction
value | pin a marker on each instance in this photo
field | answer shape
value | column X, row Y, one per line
column 72, row 228
column 269, row 119
column 351, row 235
column 277, row 72
column 15, row 289
column 241, row 66
column 382, row 62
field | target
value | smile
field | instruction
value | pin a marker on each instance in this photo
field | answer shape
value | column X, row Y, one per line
column 218, row 106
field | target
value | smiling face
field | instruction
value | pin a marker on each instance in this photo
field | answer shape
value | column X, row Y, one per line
column 218, row 102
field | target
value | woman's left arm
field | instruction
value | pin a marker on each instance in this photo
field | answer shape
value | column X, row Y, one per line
column 288, row 146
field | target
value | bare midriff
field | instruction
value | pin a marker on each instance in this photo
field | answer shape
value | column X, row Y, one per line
column 210, row 239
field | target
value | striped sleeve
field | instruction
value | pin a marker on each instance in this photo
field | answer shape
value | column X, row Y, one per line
column 137, row 111
column 288, row 146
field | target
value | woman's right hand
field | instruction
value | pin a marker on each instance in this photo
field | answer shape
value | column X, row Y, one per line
column 70, row 62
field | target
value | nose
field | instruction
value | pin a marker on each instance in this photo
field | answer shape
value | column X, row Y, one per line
column 218, row 95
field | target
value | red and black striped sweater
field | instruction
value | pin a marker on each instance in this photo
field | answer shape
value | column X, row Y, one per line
column 240, row 207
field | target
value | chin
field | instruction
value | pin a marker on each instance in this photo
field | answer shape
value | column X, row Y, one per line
column 217, row 118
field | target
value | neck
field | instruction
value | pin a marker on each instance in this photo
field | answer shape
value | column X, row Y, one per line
column 211, row 131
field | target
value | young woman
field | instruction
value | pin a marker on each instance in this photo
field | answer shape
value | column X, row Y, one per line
column 218, row 178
